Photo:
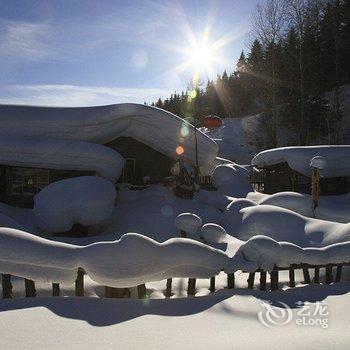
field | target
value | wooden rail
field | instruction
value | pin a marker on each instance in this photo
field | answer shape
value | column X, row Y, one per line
column 111, row 292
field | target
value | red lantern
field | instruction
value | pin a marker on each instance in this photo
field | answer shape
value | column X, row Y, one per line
column 212, row 122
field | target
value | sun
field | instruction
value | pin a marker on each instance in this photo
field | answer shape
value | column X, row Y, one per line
column 202, row 57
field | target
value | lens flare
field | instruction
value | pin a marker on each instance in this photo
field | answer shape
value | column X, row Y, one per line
column 184, row 131
column 180, row 150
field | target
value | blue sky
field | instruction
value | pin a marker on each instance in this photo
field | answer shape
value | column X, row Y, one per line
column 90, row 52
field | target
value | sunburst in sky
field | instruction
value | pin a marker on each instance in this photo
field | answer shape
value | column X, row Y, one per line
column 202, row 54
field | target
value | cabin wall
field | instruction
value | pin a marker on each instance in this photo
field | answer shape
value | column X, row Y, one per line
column 280, row 177
column 18, row 185
column 141, row 161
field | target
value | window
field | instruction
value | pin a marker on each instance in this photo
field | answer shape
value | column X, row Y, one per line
column 27, row 181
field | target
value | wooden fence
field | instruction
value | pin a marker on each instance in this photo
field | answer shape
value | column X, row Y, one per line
column 111, row 292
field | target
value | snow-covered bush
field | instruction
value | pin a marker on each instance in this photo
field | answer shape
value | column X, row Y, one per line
column 87, row 200
column 232, row 180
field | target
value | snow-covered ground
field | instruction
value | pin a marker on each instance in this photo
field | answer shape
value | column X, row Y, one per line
column 133, row 238
column 223, row 320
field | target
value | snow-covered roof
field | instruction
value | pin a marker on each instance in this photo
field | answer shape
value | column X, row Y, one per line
column 337, row 159
column 152, row 126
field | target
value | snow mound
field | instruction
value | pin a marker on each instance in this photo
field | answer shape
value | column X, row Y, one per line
column 86, row 200
column 284, row 225
column 214, row 198
column 333, row 208
column 61, row 154
column 232, row 180
column 213, row 233
column 6, row 221
column 152, row 126
column 188, row 222
column 298, row 202
column 337, row 159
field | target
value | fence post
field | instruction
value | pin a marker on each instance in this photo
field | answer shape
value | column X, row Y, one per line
column 111, row 292
column 141, row 291
column 251, row 280
column 79, row 283
column 306, row 274
column 274, row 279
column 29, row 287
column 317, row 275
column 263, row 280
column 191, row 287
column 55, row 289
column 291, row 277
column 230, row 280
column 169, row 283
column 329, row 276
column 338, row 275
column 212, row 285
column 6, row 286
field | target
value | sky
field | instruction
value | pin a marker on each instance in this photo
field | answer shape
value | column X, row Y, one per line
column 95, row 52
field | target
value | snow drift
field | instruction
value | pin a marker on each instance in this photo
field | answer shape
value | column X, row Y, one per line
column 282, row 225
column 264, row 252
column 333, row 208
column 87, row 200
column 154, row 127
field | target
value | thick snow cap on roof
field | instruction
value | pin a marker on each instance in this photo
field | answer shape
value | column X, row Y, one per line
column 337, row 159
column 61, row 154
column 152, row 126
